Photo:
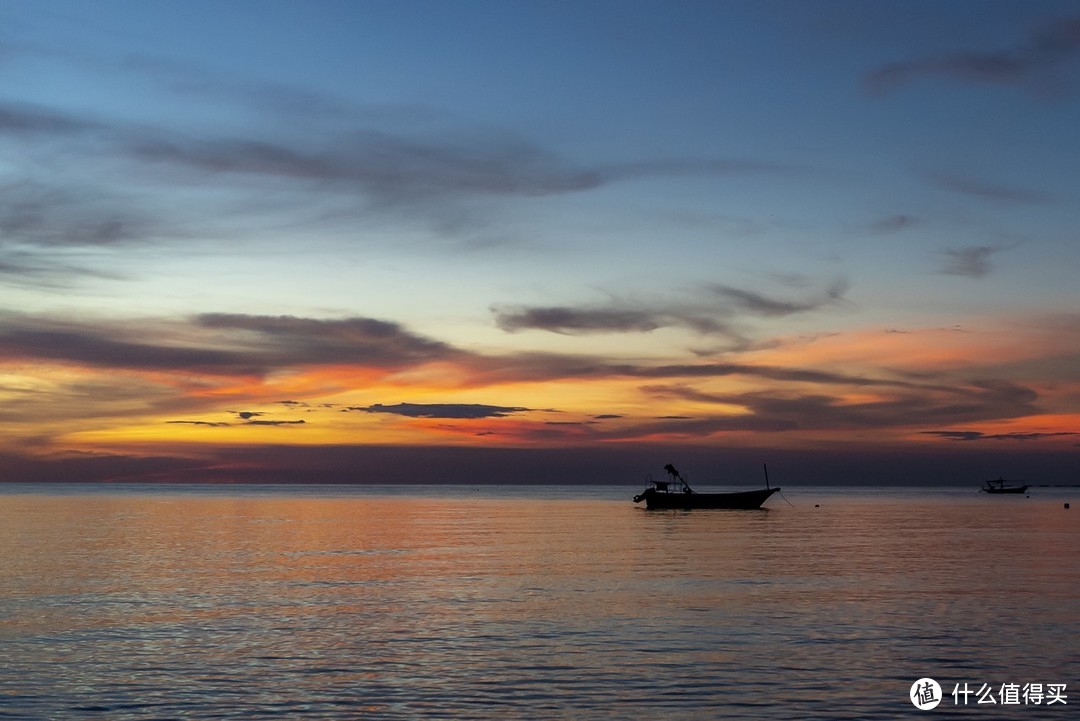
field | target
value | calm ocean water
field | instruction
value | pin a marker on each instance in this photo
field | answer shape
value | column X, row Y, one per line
column 530, row 603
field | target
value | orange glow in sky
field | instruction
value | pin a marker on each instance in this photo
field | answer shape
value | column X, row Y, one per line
column 583, row 245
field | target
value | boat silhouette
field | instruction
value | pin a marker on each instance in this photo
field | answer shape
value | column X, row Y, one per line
column 1002, row 486
column 676, row 493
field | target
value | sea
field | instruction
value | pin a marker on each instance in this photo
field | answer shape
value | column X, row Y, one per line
column 530, row 602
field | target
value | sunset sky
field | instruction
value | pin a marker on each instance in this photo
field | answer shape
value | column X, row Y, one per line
column 562, row 241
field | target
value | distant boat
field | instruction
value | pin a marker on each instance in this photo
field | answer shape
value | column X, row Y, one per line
column 676, row 493
column 1003, row 486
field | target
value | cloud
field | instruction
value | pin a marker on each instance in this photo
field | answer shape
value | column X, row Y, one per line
column 53, row 229
column 230, row 344
column 713, row 313
column 291, row 340
column 988, row 67
column 358, row 165
column 78, row 399
column 443, row 410
column 45, row 270
column 54, row 216
column 25, row 120
column 534, row 367
column 754, row 303
column 275, row 423
column 256, row 345
column 89, row 346
column 389, row 168
column 692, row 427
column 976, row 401
column 778, row 373
column 893, row 224
column 246, row 417
column 200, row 423
column 980, row 436
column 1047, row 47
column 392, row 154
column 973, row 261
column 305, row 160
column 178, row 363
column 988, row 190
column 678, row 167
column 567, row 320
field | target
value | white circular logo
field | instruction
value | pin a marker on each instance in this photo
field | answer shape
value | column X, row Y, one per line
column 925, row 694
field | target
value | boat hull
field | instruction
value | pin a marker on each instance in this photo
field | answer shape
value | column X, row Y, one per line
column 1001, row 485
column 742, row 500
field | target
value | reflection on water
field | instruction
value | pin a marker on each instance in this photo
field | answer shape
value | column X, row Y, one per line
column 339, row 605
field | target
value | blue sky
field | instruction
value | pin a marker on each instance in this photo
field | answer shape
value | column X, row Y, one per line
column 838, row 208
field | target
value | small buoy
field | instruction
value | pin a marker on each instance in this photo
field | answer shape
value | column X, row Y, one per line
column 817, row 505
column 1066, row 506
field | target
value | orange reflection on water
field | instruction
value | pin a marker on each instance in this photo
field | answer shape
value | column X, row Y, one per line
column 461, row 597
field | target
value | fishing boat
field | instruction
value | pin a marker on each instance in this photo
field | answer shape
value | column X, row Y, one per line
column 675, row 492
column 1003, row 486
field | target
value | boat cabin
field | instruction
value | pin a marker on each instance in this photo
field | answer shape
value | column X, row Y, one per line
column 673, row 485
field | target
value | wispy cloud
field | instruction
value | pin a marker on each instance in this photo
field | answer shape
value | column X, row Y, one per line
column 893, row 224
column 980, row 436
column 392, row 169
column 972, row 262
column 715, row 311
column 219, row 344
column 436, row 172
column 33, row 213
column 755, row 303
column 569, row 320
column 288, row 340
column 212, row 363
column 25, row 120
column 257, row 346
column 47, row 339
column 443, row 410
column 208, row 424
column 306, row 160
column 246, row 418
column 51, row 270
column 276, row 423
column 988, row 190
column 976, row 401
column 1045, row 48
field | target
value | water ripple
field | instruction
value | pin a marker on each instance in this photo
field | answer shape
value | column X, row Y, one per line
column 123, row 607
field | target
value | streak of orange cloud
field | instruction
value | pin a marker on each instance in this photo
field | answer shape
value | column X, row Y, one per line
column 912, row 350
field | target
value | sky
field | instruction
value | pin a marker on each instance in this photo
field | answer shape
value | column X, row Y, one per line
column 366, row 241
